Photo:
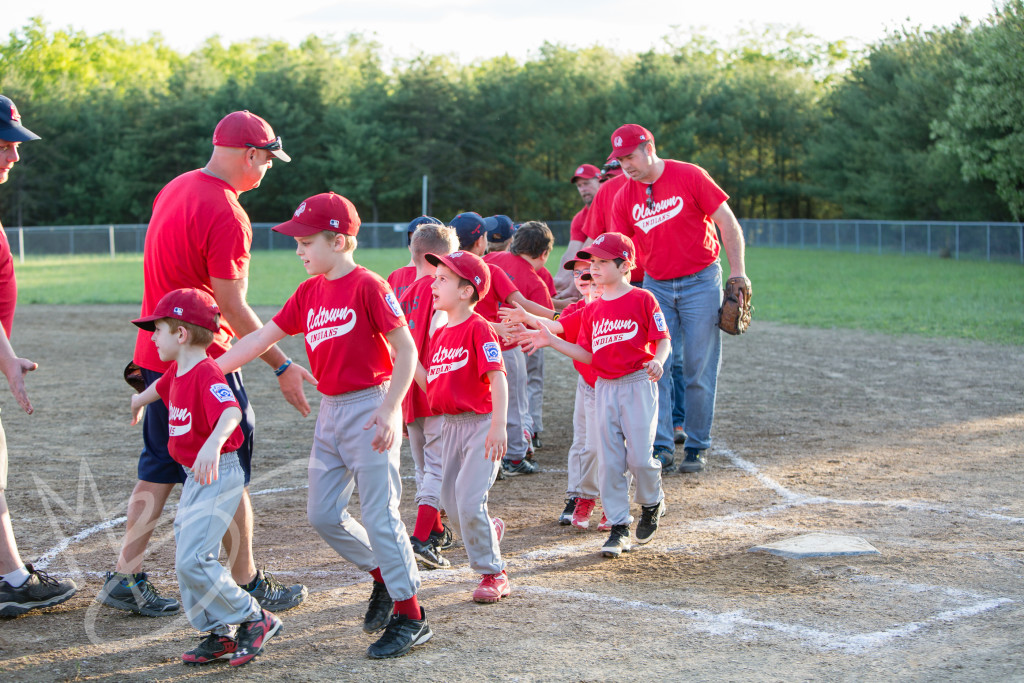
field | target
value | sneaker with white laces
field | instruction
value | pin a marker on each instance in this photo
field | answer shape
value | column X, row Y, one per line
column 648, row 524
column 499, row 527
column 443, row 539
column 252, row 637
column 401, row 635
column 134, row 593
column 210, row 649
column 618, row 542
column 581, row 515
column 565, row 518
column 492, row 588
column 603, row 525
column 428, row 555
column 39, row 590
column 273, row 596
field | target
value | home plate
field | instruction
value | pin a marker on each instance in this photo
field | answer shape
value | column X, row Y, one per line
column 818, row 545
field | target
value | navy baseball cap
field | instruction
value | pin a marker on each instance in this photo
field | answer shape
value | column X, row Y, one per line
column 469, row 226
column 499, row 228
column 11, row 129
column 422, row 220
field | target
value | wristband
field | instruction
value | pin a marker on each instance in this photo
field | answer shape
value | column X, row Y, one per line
column 284, row 366
column 555, row 316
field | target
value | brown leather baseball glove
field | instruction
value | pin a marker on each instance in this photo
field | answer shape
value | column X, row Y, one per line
column 133, row 375
column 734, row 315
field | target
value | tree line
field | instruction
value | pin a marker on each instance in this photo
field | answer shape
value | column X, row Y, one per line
column 922, row 125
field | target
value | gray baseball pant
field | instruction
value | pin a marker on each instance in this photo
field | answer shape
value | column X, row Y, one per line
column 583, row 470
column 425, row 444
column 518, row 403
column 535, row 390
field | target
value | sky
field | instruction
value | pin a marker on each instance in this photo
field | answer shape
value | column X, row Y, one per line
column 478, row 29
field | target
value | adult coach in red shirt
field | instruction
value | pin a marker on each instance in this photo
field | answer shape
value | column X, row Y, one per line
column 587, row 180
column 670, row 209
column 200, row 236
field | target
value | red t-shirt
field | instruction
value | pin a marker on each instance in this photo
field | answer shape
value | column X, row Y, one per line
column 523, row 276
column 418, row 306
column 198, row 231
column 549, row 281
column 599, row 220
column 572, row 319
column 195, row 401
column 576, row 232
column 8, row 284
column 621, row 333
column 460, row 358
column 676, row 237
column 401, row 279
column 344, row 321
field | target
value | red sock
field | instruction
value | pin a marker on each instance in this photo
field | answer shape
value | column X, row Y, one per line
column 408, row 608
column 377, row 575
column 438, row 526
column 428, row 518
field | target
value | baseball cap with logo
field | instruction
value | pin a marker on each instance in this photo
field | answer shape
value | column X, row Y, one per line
column 499, row 228
column 585, row 172
column 11, row 129
column 245, row 129
column 627, row 138
column 325, row 211
column 469, row 226
column 467, row 266
column 610, row 246
column 189, row 305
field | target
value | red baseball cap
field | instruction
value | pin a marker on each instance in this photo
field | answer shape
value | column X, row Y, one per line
column 571, row 263
column 468, row 266
column 610, row 170
column 188, row 305
column 627, row 138
column 610, row 246
column 326, row 211
column 245, row 129
column 585, row 172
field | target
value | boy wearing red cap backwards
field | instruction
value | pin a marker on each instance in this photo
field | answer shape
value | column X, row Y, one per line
column 352, row 321
column 624, row 336
column 204, row 419
column 465, row 381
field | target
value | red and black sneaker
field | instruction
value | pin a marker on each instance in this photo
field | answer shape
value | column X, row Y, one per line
column 253, row 636
column 212, row 648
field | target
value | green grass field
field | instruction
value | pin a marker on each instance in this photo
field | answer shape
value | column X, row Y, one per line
column 883, row 293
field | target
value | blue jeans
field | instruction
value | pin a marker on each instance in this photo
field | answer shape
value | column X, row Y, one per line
column 690, row 305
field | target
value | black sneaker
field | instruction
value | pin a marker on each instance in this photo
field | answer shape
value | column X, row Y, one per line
column 210, row 649
column 272, row 594
column 40, row 590
column 695, row 460
column 445, row 539
column 648, row 524
column 380, row 609
column 618, row 542
column 524, row 466
column 667, row 459
column 253, row 636
column 536, row 442
column 401, row 635
column 678, row 435
column 135, row 593
column 428, row 555
column 565, row 519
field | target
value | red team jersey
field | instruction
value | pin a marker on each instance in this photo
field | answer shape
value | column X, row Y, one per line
column 572, row 320
column 576, row 231
column 400, row 279
column 675, row 237
column 548, row 280
column 198, row 231
column 599, row 220
column 8, row 285
column 621, row 333
column 418, row 306
column 501, row 289
column 460, row 358
column 195, row 401
column 344, row 321
column 523, row 277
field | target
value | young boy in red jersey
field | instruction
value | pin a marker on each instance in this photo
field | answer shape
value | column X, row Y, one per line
column 352, row 323
column 204, row 435
column 624, row 336
column 423, row 424
column 400, row 278
column 465, row 381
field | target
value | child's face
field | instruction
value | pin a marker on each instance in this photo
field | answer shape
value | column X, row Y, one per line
column 446, row 290
column 318, row 253
column 579, row 269
column 606, row 272
column 168, row 342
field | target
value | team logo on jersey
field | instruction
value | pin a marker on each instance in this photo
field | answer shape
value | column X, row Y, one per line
column 180, row 415
column 222, row 392
column 647, row 219
column 393, row 303
column 659, row 322
column 611, row 331
column 302, row 207
column 317, row 320
column 447, row 360
column 492, row 352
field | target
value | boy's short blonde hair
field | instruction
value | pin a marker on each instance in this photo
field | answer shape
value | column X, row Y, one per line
column 350, row 240
column 432, row 239
column 197, row 336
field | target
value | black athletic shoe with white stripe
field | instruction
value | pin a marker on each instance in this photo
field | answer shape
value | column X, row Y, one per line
column 135, row 593
column 39, row 591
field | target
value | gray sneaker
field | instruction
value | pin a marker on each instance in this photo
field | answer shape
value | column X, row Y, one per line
column 134, row 593
column 695, row 461
column 273, row 596
column 40, row 590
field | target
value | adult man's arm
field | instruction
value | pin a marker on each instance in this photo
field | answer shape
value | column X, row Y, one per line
column 732, row 239
column 230, row 297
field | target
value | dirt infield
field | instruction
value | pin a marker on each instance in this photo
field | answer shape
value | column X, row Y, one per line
column 913, row 444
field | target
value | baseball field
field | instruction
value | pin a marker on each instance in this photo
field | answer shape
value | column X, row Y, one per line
column 875, row 397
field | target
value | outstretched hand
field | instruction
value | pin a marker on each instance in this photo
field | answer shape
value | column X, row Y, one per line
column 15, row 369
column 292, row 389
